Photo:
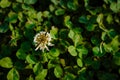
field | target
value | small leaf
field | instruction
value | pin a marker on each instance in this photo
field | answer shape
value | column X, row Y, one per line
column 62, row 61
column 26, row 7
column 109, row 19
column 5, row 3
column 82, row 70
column 30, row 25
column 12, row 17
column 112, row 33
column 51, row 64
column 113, row 46
column 82, row 50
column 80, row 55
column 30, row 1
column 79, row 62
column 54, row 52
column 30, row 78
column 77, row 39
column 58, row 72
column 75, row 36
column 4, row 28
column 69, row 76
column 32, row 14
column 77, row 30
column 71, row 5
column 96, row 50
column 115, row 7
column 6, row 62
column 100, row 18
column 37, row 68
column 41, row 75
column 39, row 16
column 91, row 27
column 83, row 19
column 53, row 32
column 72, row 50
column 103, row 37
column 63, row 4
column 95, row 40
column 21, row 54
column 67, row 22
column 16, row 7
column 51, row 8
column 71, row 34
column 107, row 47
column 115, row 43
column 59, row 12
column 20, row 16
column 31, row 59
column 13, row 74
column 44, row 57
column 46, row 14
column 106, row 1
column 55, row 1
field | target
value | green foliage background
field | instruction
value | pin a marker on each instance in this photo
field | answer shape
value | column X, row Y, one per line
column 85, row 36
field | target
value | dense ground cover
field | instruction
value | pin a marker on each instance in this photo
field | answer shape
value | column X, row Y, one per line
column 85, row 34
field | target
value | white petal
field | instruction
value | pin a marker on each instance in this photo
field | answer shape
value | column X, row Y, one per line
column 37, row 47
column 42, row 49
column 47, row 48
column 50, row 44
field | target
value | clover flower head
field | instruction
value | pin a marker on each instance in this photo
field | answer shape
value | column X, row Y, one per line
column 42, row 40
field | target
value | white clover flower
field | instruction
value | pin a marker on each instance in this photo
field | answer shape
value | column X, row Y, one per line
column 42, row 40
